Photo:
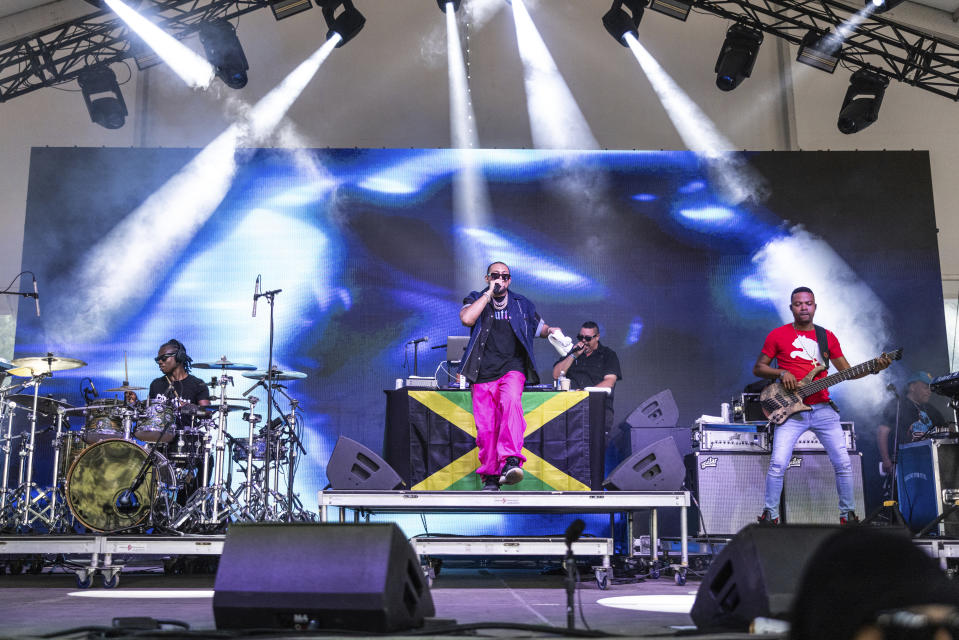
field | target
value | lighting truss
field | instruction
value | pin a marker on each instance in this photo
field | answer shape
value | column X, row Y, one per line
column 59, row 53
column 898, row 51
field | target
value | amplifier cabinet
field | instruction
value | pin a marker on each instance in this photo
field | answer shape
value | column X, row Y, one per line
column 809, row 489
column 729, row 487
column 928, row 483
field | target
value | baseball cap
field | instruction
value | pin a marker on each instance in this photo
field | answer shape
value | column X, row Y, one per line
column 920, row 376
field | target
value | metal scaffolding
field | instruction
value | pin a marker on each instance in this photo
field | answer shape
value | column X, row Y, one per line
column 59, row 53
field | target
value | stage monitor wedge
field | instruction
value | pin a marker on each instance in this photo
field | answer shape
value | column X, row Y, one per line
column 658, row 467
column 360, row 577
column 355, row 467
column 657, row 411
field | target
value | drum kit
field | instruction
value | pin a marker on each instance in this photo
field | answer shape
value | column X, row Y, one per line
column 158, row 466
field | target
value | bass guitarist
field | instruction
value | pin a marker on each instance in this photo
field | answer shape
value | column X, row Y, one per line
column 796, row 349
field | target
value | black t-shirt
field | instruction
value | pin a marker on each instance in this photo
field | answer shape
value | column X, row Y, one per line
column 503, row 352
column 588, row 371
column 190, row 389
column 915, row 421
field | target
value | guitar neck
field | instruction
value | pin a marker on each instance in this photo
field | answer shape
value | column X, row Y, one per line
column 840, row 376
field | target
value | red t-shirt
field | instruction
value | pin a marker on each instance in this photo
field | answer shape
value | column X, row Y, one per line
column 798, row 352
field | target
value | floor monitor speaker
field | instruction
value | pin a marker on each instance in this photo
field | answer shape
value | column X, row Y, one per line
column 355, row 467
column 359, row 577
column 657, row 467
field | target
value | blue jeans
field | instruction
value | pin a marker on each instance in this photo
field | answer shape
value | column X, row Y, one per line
column 824, row 422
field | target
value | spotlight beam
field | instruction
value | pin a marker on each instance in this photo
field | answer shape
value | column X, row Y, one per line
column 196, row 72
column 555, row 119
column 149, row 238
column 737, row 181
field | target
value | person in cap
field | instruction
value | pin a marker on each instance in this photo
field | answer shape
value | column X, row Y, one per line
column 912, row 412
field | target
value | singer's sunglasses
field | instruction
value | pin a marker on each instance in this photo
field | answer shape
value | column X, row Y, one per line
column 499, row 276
column 163, row 357
column 583, row 338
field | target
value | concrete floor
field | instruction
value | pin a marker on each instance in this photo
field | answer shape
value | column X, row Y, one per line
column 32, row 605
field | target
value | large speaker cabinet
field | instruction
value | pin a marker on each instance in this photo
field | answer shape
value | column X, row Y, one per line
column 729, row 486
column 928, row 482
column 361, row 577
column 809, row 488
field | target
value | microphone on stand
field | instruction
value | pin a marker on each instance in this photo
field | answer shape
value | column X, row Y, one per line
column 419, row 340
column 93, row 388
column 36, row 296
column 256, row 293
column 892, row 388
column 574, row 531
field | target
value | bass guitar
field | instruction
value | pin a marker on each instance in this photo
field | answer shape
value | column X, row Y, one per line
column 778, row 404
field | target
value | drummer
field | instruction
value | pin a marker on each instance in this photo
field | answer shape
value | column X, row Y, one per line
column 176, row 384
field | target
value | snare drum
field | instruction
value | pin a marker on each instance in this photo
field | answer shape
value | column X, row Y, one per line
column 157, row 416
column 103, row 471
column 103, row 423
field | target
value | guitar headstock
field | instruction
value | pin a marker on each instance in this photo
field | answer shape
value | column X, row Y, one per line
column 893, row 355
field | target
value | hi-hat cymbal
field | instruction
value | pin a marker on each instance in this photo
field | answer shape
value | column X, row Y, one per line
column 29, row 367
column 45, row 405
column 125, row 388
column 223, row 363
column 277, row 375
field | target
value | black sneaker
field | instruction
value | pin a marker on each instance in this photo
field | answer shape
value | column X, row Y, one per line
column 490, row 483
column 767, row 518
column 512, row 472
column 849, row 518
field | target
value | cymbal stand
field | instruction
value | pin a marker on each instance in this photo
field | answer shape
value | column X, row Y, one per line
column 212, row 503
column 25, row 490
column 7, row 410
column 54, row 514
column 291, row 422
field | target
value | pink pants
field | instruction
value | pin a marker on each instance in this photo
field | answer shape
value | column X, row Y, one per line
column 498, row 413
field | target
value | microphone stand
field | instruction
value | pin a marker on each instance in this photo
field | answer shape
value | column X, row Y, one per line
column 127, row 499
column 295, row 440
column 573, row 532
column 270, row 297
column 890, row 508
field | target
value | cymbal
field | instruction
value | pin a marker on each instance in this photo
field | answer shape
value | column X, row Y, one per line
column 29, row 367
column 277, row 375
column 46, row 406
column 125, row 388
column 223, row 363
column 4, row 364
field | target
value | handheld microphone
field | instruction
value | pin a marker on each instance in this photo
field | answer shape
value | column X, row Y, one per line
column 497, row 289
column 36, row 296
column 256, row 293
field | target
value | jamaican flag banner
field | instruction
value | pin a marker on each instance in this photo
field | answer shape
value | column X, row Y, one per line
column 557, row 443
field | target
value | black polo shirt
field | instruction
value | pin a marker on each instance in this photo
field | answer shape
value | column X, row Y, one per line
column 588, row 371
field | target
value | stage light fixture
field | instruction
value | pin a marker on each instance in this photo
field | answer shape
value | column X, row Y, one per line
column 618, row 22
column 101, row 93
column 738, row 56
column 820, row 50
column 881, row 6
column 442, row 4
column 349, row 23
column 224, row 52
column 286, row 8
column 678, row 9
column 860, row 107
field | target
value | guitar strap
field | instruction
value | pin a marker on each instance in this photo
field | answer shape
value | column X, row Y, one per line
column 823, row 345
column 824, row 354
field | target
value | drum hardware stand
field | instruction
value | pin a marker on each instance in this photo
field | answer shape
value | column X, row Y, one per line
column 7, row 409
column 57, row 519
column 26, row 486
column 126, row 502
column 216, row 493
column 294, row 444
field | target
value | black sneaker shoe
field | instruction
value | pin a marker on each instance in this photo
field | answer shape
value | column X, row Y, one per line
column 849, row 518
column 767, row 518
column 512, row 472
column 490, row 483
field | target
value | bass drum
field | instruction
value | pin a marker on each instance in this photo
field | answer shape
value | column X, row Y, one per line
column 102, row 471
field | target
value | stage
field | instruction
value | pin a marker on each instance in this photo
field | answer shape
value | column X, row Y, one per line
column 32, row 605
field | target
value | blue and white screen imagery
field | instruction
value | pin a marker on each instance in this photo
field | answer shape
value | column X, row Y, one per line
column 373, row 248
